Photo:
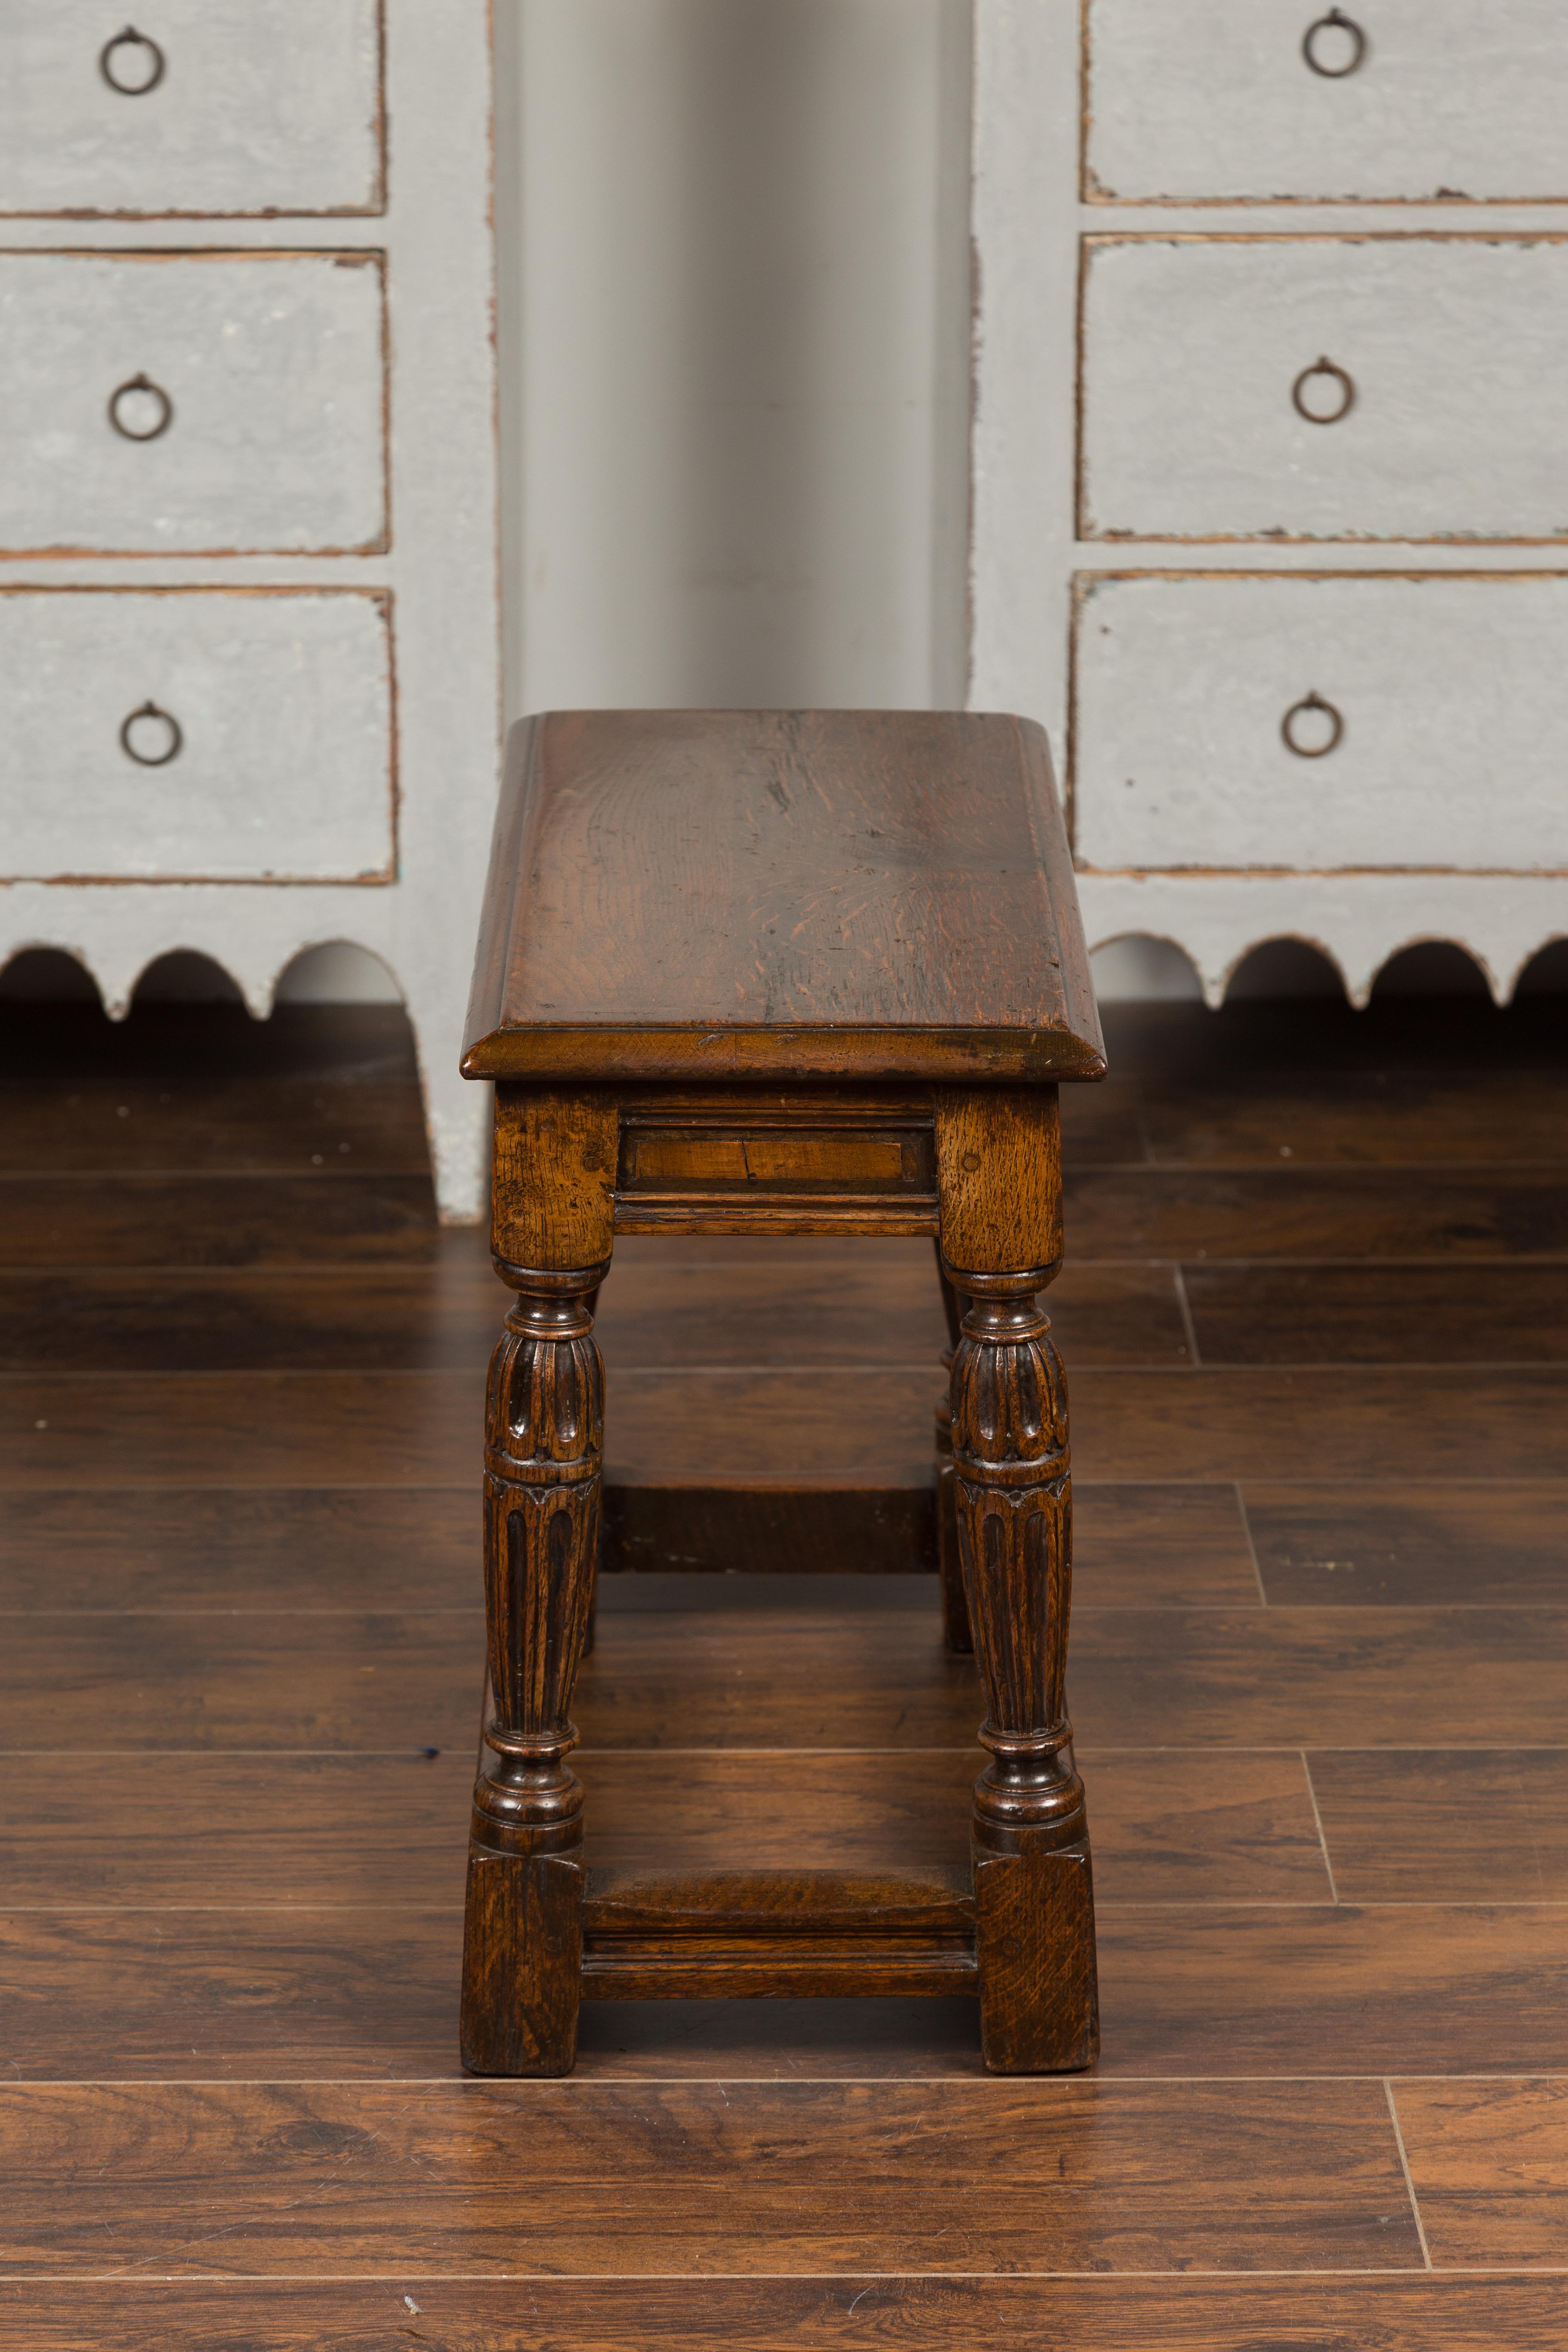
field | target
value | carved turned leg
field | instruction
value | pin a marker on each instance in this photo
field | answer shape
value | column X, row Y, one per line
column 954, row 1608
column 544, row 1455
column 1035, row 1915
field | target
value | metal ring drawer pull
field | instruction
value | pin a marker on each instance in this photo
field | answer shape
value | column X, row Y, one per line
column 149, row 714
column 150, row 391
column 1312, row 751
column 132, row 39
column 1318, row 415
column 1333, row 23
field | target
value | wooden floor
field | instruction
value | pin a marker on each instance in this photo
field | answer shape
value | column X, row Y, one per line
column 1316, row 1323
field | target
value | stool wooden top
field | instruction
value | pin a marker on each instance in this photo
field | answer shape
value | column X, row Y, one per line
column 700, row 896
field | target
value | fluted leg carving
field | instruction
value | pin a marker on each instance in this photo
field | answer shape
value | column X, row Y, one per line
column 543, row 1458
column 1014, row 1515
column 954, row 1608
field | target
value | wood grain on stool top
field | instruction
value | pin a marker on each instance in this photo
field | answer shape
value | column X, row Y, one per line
column 705, row 894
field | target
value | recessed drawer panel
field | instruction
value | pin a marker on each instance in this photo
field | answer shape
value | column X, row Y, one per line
column 761, row 1172
column 205, row 105
column 1429, row 718
column 1408, row 99
column 1396, row 388
column 836, row 1159
column 266, row 753
column 191, row 402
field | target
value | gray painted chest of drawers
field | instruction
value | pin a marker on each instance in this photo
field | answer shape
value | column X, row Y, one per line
column 250, row 692
column 1270, row 512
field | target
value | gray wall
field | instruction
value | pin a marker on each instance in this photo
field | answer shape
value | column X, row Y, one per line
column 733, row 252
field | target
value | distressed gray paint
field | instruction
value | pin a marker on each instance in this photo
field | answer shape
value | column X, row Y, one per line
column 284, row 702
column 1458, row 348
column 274, row 367
column 1454, row 97
column 264, row 106
column 1454, row 699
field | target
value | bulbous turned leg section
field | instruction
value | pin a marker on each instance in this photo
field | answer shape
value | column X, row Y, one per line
column 1035, row 1915
column 543, row 1460
column 954, row 1607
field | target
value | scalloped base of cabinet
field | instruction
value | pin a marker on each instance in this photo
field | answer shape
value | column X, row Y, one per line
column 1357, row 920
column 253, row 934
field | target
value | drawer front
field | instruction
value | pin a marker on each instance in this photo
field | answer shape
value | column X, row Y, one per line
column 192, row 404
column 795, row 1168
column 1451, row 697
column 255, row 106
column 678, row 1161
column 283, row 705
column 1445, row 99
column 1196, row 352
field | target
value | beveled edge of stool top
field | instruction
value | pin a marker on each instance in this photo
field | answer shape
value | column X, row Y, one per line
column 703, row 896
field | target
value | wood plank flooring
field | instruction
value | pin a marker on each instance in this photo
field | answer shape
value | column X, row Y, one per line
column 1314, row 1323
column 984, row 2313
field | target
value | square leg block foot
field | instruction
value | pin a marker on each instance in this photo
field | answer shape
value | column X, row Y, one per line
column 522, row 1963
column 1040, row 2004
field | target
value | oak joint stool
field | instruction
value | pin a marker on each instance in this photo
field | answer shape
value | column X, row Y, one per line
column 780, row 972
